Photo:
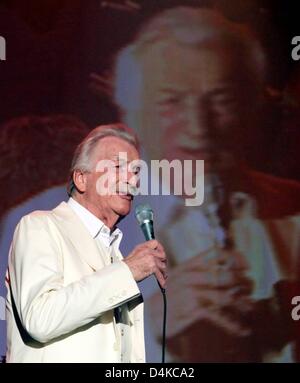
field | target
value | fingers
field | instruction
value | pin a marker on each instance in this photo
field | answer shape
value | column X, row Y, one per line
column 153, row 244
column 228, row 324
column 206, row 279
column 160, row 247
column 160, row 271
column 202, row 262
column 161, row 278
column 146, row 259
column 162, row 267
column 157, row 256
column 213, row 259
column 160, row 255
column 153, row 247
column 148, row 245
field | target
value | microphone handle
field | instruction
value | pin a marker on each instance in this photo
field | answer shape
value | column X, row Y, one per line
column 147, row 228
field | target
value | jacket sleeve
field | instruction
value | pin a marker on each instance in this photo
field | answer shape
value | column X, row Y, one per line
column 46, row 308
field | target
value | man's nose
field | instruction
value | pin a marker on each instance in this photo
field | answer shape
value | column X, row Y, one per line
column 132, row 178
column 197, row 120
column 197, row 123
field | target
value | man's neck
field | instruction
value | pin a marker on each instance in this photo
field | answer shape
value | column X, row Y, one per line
column 109, row 218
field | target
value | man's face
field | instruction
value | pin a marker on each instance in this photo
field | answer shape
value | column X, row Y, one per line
column 110, row 171
column 193, row 104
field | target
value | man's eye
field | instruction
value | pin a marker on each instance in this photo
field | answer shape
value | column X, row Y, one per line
column 121, row 166
column 224, row 104
column 172, row 100
column 225, row 100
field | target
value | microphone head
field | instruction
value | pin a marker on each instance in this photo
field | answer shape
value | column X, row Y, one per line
column 143, row 213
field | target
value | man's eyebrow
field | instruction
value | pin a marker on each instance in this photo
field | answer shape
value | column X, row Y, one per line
column 171, row 90
column 117, row 157
column 222, row 89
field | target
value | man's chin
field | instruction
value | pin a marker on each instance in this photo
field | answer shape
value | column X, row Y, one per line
column 123, row 206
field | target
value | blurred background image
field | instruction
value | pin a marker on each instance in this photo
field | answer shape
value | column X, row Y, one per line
column 206, row 80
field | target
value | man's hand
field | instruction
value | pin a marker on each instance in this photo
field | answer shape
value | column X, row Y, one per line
column 146, row 259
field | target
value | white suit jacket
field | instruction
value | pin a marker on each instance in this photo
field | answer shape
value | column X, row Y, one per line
column 62, row 291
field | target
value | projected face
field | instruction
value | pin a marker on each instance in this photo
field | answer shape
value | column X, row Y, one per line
column 193, row 104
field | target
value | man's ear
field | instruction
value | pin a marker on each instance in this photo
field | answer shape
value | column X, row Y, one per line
column 80, row 180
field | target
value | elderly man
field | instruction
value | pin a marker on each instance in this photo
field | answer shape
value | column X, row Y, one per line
column 71, row 295
column 192, row 83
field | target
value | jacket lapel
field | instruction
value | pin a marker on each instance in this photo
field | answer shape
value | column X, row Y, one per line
column 72, row 228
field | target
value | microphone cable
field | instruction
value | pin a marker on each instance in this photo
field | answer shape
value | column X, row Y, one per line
column 163, row 344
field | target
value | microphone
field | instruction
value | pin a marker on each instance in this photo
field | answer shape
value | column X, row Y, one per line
column 144, row 216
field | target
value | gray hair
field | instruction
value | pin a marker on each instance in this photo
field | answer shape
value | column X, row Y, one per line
column 82, row 155
column 188, row 26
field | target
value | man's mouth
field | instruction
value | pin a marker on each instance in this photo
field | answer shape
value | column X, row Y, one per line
column 125, row 195
column 127, row 192
column 128, row 197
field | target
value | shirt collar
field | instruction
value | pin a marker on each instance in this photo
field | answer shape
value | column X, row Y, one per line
column 94, row 225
